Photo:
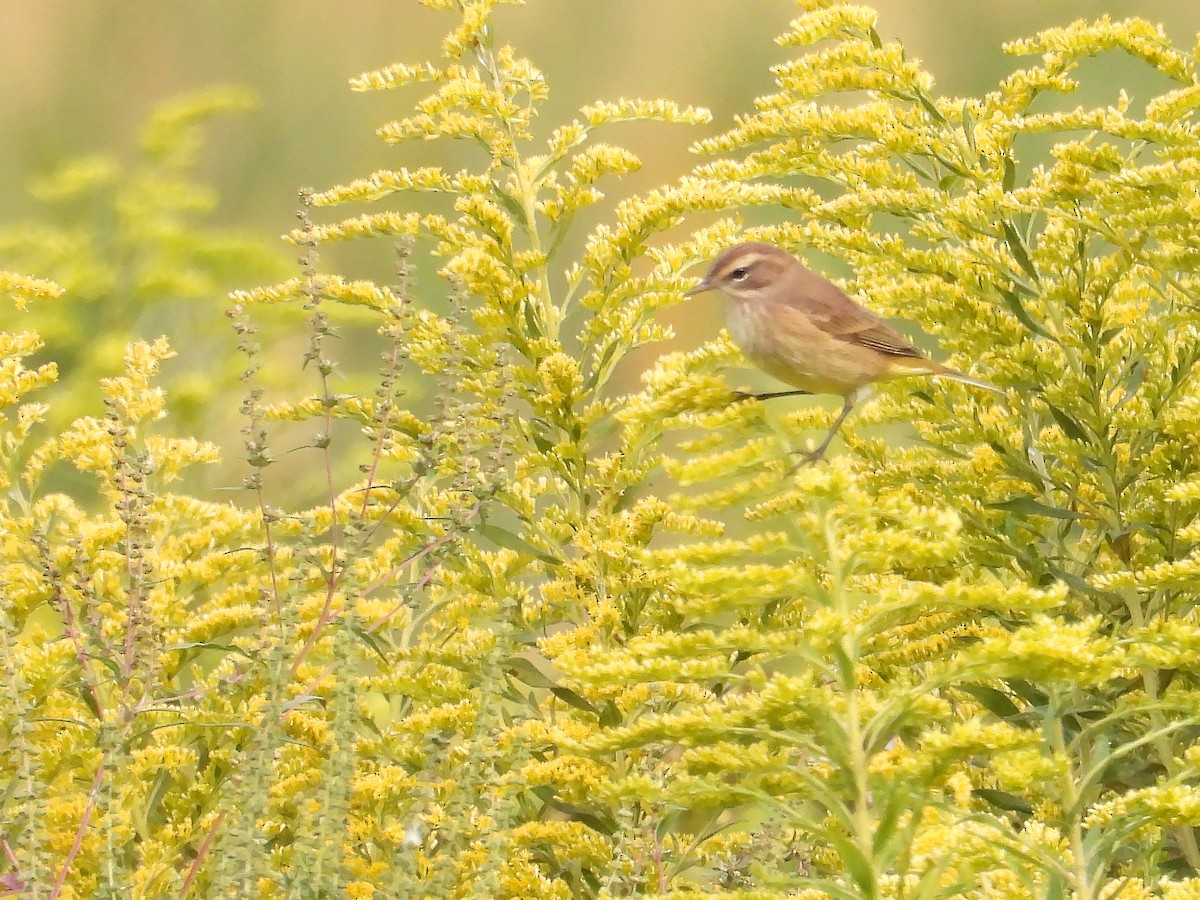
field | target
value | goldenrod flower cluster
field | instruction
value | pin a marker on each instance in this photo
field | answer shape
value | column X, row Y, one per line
column 541, row 636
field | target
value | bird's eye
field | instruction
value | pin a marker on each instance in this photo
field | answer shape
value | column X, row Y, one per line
column 739, row 274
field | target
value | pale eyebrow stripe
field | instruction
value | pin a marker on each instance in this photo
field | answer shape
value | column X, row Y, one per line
column 739, row 261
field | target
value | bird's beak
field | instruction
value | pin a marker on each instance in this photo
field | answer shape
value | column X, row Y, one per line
column 698, row 289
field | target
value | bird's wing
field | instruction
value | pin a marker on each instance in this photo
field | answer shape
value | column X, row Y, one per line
column 839, row 316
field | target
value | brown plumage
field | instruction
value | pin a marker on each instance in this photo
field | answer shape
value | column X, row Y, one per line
column 804, row 330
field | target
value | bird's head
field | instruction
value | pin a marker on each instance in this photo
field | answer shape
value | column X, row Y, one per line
column 747, row 272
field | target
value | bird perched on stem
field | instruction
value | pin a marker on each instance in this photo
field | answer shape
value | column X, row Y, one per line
column 804, row 330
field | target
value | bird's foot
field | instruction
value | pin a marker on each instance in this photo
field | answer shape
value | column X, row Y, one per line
column 739, row 396
column 807, row 458
column 810, row 456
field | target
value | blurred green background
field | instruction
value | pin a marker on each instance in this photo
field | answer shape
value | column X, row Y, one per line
column 81, row 76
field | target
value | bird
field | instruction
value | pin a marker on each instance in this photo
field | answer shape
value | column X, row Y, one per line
column 803, row 329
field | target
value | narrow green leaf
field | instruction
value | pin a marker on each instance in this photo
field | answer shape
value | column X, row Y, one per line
column 1136, row 376
column 667, row 824
column 533, row 328
column 370, row 640
column 1077, row 584
column 1003, row 800
column 1028, row 693
column 208, row 645
column 1027, row 506
column 1018, row 309
column 600, row 367
column 1070, row 427
column 930, row 107
column 845, row 666
column 535, row 428
column 524, row 670
column 887, row 824
column 610, row 716
column 17, row 496
column 569, row 697
column 509, row 541
column 561, row 228
column 1017, row 246
column 968, row 126
column 856, row 864
column 152, row 815
column 89, row 699
column 1010, row 174
column 509, row 202
column 597, row 821
column 994, row 701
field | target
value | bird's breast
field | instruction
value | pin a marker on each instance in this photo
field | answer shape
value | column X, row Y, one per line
column 785, row 343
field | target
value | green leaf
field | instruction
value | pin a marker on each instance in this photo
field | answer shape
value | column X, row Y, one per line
column 1027, row 692
column 370, row 640
column 1136, row 376
column 1018, row 309
column 509, row 202
column 968, row 126
column 17, row 496
column 1070, row 427
column 532, row 325
column 509, row 541
column 667, row 824
column 1079, row 585
column 1003, row 800
column 89, row 698
column 896, row 803
column 523, row 669
column 994, row 701
column 856, row 864
column 1017, row 246
column 599, row 367
column 561, row 229
column 535, row 427
column 610, row 716
column 1027, row 506
column 845, row 665
column 1010, row 174
column 595, row 820
column 930, row 107
column 568, row 696
column 208, row 645
column 151, row 808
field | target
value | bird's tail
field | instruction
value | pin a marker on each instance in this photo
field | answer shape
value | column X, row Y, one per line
column 924, row 366
column 947, row 372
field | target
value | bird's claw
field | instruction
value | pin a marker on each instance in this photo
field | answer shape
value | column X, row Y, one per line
column 807, row 458
column 810, row 456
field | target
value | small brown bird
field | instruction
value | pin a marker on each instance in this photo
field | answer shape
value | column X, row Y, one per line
column 804, row 330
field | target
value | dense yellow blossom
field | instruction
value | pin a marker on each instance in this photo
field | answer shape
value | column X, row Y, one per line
column 539, row 639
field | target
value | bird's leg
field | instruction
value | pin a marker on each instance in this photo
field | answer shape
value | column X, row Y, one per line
column 771, row 395
column 811, row 456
